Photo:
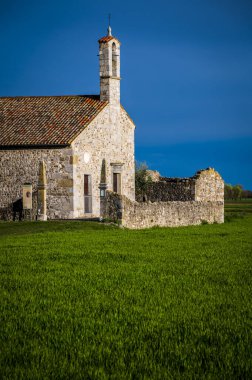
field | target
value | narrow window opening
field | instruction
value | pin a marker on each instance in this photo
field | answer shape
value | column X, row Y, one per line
column 117, row 183
column 114, row 60
column 87, row 194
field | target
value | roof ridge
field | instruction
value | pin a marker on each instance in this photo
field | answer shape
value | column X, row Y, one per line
column 51, row 96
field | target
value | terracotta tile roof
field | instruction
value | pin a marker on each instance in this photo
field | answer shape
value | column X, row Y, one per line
column 107, row 39
column 46, row 120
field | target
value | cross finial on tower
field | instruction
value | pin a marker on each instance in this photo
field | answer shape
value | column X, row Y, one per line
column 109, row 53
column 109, row 27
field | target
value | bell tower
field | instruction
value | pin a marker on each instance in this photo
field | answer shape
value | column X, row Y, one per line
column 109, row 54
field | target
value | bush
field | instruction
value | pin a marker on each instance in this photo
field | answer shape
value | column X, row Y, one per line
column 141, row 179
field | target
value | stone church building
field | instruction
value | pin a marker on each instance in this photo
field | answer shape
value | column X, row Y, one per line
column 85, row 145
column 66, row 157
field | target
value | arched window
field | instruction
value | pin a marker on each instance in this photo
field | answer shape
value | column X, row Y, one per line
column 114, row 60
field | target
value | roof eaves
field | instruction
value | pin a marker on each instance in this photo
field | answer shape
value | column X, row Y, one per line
column 105, row 39
column 33, row 146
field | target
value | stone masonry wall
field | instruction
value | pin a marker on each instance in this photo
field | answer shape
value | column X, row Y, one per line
column 209, row 186
column 109, row 136
column 20, row 166
column 136, row 215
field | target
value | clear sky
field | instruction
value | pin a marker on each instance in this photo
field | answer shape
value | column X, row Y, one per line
column 186, row 70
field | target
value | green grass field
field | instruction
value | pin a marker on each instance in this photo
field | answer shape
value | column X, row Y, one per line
column 85, row 300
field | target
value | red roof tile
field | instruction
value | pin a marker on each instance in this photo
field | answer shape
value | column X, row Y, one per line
column 46, row 120
column 107, row 39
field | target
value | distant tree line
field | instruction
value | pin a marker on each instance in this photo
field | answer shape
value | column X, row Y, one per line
column 236, row 192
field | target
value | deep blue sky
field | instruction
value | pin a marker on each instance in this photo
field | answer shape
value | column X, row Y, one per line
column 186, row 69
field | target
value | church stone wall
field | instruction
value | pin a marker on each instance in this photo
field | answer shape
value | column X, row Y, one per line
column 22, row 166
column 111, row 137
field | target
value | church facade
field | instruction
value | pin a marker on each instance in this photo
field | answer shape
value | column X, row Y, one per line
column 84, row 145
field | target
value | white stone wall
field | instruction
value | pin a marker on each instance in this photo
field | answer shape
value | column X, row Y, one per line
column 111, row 137
column 209, row 186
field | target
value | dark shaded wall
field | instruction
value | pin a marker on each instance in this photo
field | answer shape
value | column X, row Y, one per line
column 169, row 189
column 15, row 211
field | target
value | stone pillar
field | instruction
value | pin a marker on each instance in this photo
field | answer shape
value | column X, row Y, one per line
column 103, row 187
column 42, row 212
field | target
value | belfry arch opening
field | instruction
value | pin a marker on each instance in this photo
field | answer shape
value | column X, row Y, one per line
column 114, row 60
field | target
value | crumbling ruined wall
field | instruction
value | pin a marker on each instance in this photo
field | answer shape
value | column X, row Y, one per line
column 209, row 186
column 169, row 189
column 171, row 214
column 136, row 215
column 205, row 185
column 203, row 201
